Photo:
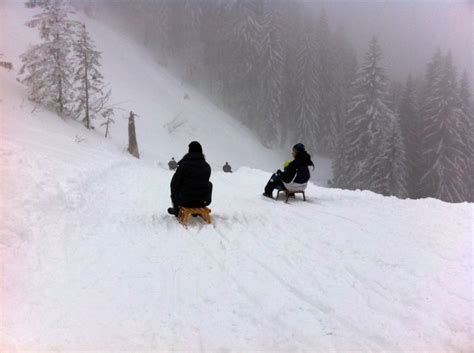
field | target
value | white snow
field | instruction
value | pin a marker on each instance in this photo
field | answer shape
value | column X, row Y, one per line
column 90, row 261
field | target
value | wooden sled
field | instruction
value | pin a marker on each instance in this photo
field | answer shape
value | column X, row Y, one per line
column 289, row 194
column 203, row 212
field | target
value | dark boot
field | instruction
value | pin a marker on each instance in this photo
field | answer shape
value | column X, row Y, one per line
column 270, row 196
column 173, row 211
column 273, row 183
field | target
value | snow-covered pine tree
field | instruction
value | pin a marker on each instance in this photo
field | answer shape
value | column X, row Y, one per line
column 465, row 96
column 192, row 52
column 345, row 68
column 149, row 13
column 431, row 82
column 215, row 56
column 107, row 114
column 193, row 15
column 307, row 100
column 292, row 14
column 395, row 94
column 428, row 89
column 344, row 71
column 271, row 71
column 373, row 156
column 444, row 151
column 177, row 22
column 48, row 67
column 243, row 43
column 326, row 139
column 386, row 167
column 340, row 164
column 160, row 30
column 92, row 98
column 410, row 127
column 34, row 3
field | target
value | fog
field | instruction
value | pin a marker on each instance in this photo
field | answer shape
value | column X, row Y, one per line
column 409, row 31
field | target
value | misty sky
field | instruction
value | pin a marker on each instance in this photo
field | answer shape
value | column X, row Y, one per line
column 409, row 31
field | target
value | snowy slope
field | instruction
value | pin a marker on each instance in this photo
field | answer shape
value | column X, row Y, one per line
column 167, row 122
column 89, row 260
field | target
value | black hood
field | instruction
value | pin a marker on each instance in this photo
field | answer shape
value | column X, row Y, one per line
column 303, row 158
column 192, row 156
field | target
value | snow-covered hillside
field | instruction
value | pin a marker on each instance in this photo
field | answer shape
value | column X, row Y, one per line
column 167, row 121
column 90, row 261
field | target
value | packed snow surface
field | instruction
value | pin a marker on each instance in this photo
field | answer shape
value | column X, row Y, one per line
column 90, row 261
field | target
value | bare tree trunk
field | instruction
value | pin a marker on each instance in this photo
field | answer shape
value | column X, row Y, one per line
column 86, row 79
column 60, row 98
column 60, row 109
column 132, row 137
column 107, row 128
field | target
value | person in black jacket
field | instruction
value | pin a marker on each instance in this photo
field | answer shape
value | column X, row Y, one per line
column 190, row 185
column 172, row 164
column 295, row 176
column 227, row 168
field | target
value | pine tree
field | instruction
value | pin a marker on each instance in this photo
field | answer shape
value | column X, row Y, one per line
column 444, row 150
column 246, row 33
column 91, row 98
column 345, row 68
column 326, row 138
column 161, row 30
column 155, row 27
column 193, row 15
column 344, row 71
column 340, row 164
column 186, row 26
column 180, row 30
column 243, row 44
column 34, row 3
column 107, row 114
column 292, row 15
column 410, row 127
column 215, row 55
column 465, row 96
column 47, row 67
column 386, row 167
column 271, row 71
column 307, row 100
column 372, row 151
column 395, row 94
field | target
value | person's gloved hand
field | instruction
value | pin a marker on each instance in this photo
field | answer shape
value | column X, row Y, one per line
column 278, row 172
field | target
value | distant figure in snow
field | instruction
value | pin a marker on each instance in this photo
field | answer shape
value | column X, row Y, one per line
column 227, row 168
column 172, row 164
column 190, row 185
column 295, row 175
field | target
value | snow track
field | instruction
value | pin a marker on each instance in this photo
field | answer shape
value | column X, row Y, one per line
column 112, row 271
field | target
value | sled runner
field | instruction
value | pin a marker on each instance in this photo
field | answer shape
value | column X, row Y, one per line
column 289, row 194
column 185, row 212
